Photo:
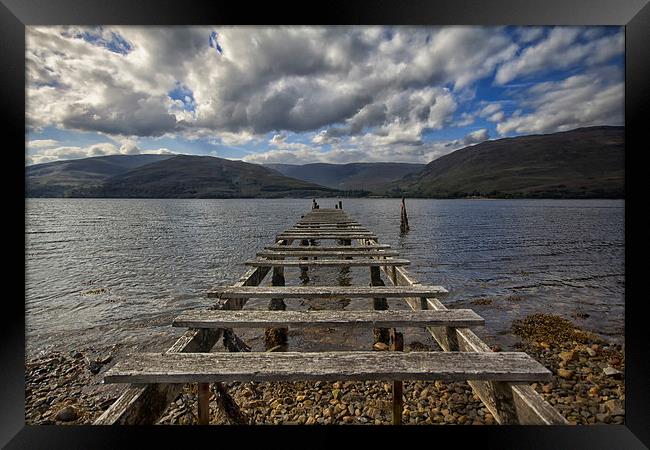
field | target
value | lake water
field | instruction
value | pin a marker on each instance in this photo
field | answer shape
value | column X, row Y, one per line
column 117, row 271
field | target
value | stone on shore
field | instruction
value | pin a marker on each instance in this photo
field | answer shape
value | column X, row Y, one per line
column 66, row 414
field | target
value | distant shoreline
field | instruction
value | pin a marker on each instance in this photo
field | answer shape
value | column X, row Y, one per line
column 342, row 197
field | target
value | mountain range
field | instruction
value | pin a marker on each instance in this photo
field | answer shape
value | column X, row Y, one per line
column 158, row 176
column 581, row 163
column 353, row 176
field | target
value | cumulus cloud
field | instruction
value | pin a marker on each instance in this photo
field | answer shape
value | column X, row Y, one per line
column 38, row 154
column 581, row 100
column 298, row 153
column 371, row 93
column 228, row 138
column 492, row 112
column 560, row 50
column 43, row 143
column 117, row 80
column 529, row 34
column 476, row 137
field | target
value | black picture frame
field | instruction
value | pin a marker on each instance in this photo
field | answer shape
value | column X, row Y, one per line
column 16, row 14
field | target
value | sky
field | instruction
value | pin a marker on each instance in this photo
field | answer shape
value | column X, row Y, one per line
column 301, row 95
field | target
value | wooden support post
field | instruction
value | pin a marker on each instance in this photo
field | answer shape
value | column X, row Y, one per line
column 204, row 403
column 344, row 272
column 404, row 220
column 276, row 336
column 380, row 334
column 304, row 270
column 233, row 342
column 397, row 345
column 227, row 404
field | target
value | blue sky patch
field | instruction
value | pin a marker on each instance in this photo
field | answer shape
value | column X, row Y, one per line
column 183, row 94
column 110, row 40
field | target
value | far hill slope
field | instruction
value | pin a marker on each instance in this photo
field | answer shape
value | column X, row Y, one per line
column 56, row 179
column 353, row 176
column 581, row 163
column 186, row 176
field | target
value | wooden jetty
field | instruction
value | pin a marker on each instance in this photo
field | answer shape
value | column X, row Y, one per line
column 500, row 379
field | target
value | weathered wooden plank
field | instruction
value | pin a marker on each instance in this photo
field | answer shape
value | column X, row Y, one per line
column 319, row 232
column 507, row 402
column 326, row 248
column 140, row 405
column 327, row 218
column 371, row 318
column 329, row 262
column 317, row 236
column 350, row 226
column 327, row 229
column 309, row 252
column 328, row 225
column 325, row 210
column 326, row 291
column 326, row 366
column 328, row 222
column 299, row 234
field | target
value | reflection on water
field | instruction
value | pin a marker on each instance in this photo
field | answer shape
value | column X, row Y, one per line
column 104, row 271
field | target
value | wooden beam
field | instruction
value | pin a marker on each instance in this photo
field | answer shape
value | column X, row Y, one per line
column 327, row 225
column 327, row 231
column 313, row 231
column 328, row 318
column 326, row 235
column 309, row 252
column 326, row 248
column 326, row 291
column 329, row 262
column 328, row 222
column 326, row 366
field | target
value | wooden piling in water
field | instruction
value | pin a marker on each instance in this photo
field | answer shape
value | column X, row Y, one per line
column 404, row 220
column 380, row 334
